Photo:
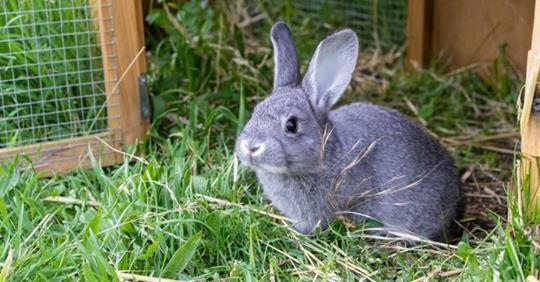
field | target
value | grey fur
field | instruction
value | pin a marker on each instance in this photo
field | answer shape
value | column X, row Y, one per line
column 360, row 160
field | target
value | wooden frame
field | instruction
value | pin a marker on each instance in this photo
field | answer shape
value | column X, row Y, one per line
column 465, row 33
column 123, row 63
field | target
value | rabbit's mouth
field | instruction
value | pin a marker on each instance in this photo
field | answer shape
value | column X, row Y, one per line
column 271, row 169
column 258, row 166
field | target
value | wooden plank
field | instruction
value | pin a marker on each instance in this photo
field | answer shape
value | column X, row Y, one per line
column 419, row 22
column 469, row 32
column 131, row 63
column 531, row 132
column 65, row 155
column 530, row 122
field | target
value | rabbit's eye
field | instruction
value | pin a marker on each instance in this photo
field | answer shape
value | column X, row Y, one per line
column 291, row 126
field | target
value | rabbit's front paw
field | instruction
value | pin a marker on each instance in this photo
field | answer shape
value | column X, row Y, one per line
column 304, row 227
column 309, row 228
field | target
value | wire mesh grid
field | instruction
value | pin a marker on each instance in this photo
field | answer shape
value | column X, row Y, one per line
column 380, row 24
column 52, row 82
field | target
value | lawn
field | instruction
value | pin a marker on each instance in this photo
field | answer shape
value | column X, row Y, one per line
column 185, row 208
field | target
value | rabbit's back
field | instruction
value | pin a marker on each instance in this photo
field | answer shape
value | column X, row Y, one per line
column 413, row 183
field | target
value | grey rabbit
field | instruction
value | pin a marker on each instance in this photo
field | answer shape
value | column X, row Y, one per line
column 360, row 161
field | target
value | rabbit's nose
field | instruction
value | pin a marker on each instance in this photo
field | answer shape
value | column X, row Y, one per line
column 252, row 149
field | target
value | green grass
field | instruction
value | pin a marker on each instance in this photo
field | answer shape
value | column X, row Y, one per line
column 187, row 210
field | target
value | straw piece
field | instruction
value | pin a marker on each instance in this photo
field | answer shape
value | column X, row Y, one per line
column 134, row 277
column 71, row 201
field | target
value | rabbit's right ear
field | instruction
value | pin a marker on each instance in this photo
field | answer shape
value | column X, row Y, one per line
column 331, row 69
column 286, row 72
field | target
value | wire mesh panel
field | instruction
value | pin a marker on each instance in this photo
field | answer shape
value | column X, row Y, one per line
column 378, row 23
column 68, row 80
column 52, row 83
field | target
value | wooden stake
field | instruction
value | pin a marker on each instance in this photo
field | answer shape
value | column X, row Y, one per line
column 530, row 122
column 124, row 60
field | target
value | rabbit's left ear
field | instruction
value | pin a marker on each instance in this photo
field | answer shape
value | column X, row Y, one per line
column 331, row 69
column 286, row 72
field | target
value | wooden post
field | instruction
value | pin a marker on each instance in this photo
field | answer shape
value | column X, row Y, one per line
column 419, row 24
column 529, row 121
column 127, row 55
column 131, row 62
